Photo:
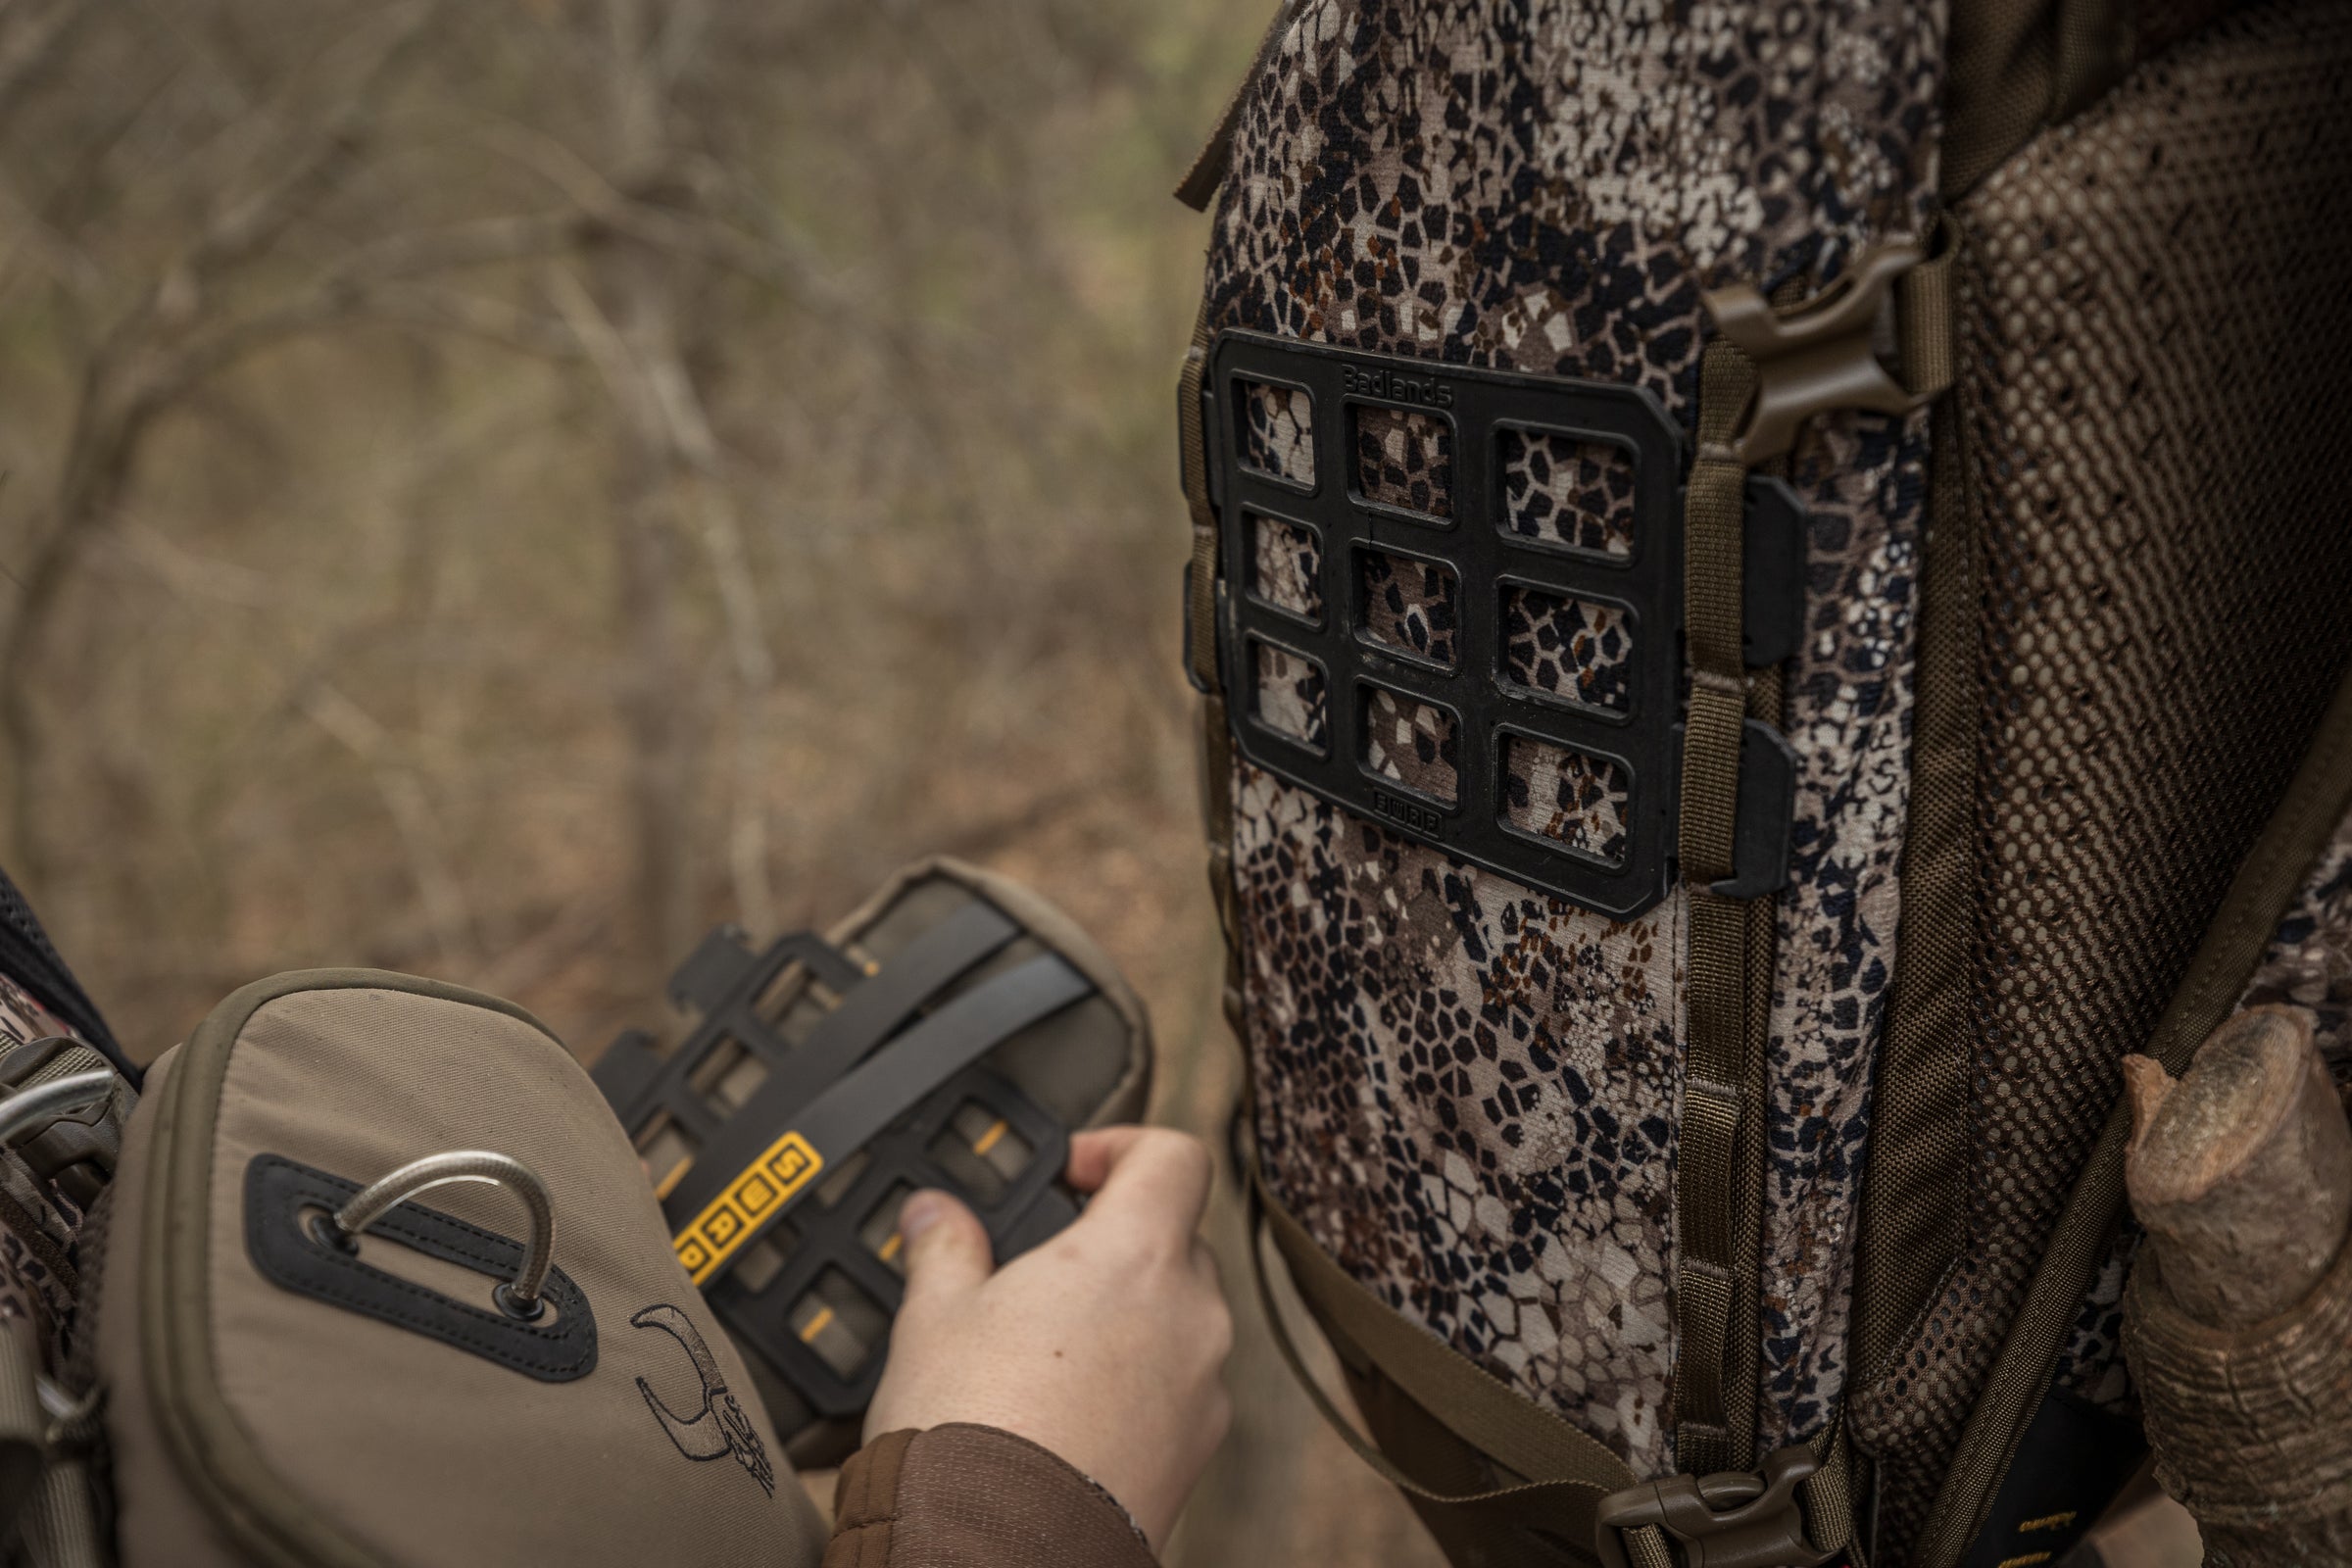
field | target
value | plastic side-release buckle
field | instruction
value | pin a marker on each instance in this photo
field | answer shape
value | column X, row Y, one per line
column 1737, row 1519
column 1822, row 355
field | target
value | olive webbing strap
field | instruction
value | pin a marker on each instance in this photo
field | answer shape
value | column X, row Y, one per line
column 1927, row 347
column 1567, row 1473
column 48, row 1503
column 59, row 1525
column 1200, row 583
column 1570, row 1472
column 24, row 1424
column 2316, row 803
column 1833, row 1510
column 1760, row 938
column 1201, row 638
column 1716, row 1073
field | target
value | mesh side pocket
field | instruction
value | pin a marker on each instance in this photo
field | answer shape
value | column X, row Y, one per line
column 2152, row 338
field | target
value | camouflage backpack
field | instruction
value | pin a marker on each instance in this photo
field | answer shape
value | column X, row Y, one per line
column 1768, row 595
column 66, row 1094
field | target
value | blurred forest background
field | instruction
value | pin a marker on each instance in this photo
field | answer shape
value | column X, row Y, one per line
column 494, row 489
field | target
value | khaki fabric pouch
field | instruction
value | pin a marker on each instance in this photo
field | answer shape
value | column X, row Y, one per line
column 381, row 1409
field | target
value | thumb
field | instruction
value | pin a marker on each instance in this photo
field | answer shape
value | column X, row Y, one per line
column 947, row 1247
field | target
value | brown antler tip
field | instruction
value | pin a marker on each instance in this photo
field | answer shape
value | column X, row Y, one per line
column 2242, row 1168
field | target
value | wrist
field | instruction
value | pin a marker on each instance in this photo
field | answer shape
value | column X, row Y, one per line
column 981, row 1494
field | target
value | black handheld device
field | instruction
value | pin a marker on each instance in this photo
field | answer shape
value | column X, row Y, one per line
column 821, row 1084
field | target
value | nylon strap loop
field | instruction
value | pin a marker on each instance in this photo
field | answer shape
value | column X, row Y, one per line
column 1706, row 1176
column 1923, row 318
column 1713, row 573
column 1567, row 1473
column 1829, row 1493
column 24, row 1424
column 1475, row 1405
column 1768, row 370
column 1200, row 584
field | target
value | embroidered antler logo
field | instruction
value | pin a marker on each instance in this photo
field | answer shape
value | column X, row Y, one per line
column 719, row 1428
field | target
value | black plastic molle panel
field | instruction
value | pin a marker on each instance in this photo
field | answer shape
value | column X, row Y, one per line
column 735, row 993
column 827, row 1234
column 1635, row 733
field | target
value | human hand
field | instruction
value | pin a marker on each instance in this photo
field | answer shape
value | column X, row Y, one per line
column 1102, row 1345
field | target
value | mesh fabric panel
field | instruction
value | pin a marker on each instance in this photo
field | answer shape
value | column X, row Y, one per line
column 2154, row 324
column 2162, row 24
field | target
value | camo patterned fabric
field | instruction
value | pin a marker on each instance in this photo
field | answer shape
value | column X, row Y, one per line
column 1417, row 745
column 1277, row 432
column 1574, row 650
column 1292, row 695
column 1404, row 458
column 1565, row 491
column 31, row 1291
column 1484, row 1134
column 2308, row 961
column 1288, row 561
column 23, row 1020
column 1849, row 714
column 1576, row 800
column 1410, row 604
column 1467, row 1092
column 2093, row 1364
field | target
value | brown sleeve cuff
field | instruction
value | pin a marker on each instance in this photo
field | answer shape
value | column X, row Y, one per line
column 972, row 1496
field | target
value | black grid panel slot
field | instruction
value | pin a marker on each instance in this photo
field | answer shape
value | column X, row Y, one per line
column 1437, row 687
column 845, row 1249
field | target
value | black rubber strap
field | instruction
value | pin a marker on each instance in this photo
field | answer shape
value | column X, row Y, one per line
column 870, row 1012
column 765, row 1176
column 873, row 1012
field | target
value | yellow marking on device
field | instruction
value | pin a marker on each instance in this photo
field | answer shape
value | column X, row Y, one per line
column 890, row 1248
column 721, row 1229
column 2026, row 1562
column 2048, row 1521
column 816, row 1325
column 988, row 1139
column 670, row 1182
column 873, row 969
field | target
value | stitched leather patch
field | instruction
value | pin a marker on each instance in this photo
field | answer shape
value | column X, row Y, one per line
column 281, row 1195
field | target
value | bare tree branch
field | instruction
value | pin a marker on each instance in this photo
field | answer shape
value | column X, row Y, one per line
column 781, row 260
column 249, row 222
column 29, row 48
column 409, row 804
column 142, row 365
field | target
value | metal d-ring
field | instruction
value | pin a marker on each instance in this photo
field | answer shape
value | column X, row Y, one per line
column 26, row 1109
column 519, row 1297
